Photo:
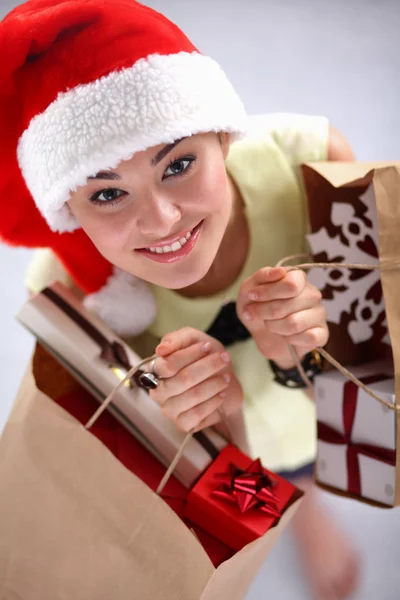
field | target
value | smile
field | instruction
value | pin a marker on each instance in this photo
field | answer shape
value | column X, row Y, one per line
column 173, row 247
column 176, row 249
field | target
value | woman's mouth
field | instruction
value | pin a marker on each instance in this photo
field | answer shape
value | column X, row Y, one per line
column 177, row 250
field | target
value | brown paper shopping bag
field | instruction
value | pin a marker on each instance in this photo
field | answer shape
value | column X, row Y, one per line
column 75, row 523
column 354, row 212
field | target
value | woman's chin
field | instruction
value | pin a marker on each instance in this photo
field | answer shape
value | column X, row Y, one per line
column 180, row 283
column 179, row 280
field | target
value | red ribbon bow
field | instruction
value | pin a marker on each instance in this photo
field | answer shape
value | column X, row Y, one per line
column 248, row 489
column 326, row 433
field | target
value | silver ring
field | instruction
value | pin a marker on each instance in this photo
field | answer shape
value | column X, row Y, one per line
column 149, row 379
column 152, row 364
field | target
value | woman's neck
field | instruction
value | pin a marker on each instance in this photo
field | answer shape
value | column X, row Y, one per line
column 231, row 254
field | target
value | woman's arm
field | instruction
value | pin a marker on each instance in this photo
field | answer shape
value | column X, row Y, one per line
column 339, row 148
column 292, row 309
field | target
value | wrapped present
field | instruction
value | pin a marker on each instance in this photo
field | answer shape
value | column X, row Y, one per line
column 357, row 434
column 346, row 205
column 237, row 500
column 78, row 520
column 98, row 359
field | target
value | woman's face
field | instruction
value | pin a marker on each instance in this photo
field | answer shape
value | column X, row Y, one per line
column 162, row 214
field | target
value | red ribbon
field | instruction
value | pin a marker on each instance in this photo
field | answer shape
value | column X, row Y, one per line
column 326, row 433
column 249, row 489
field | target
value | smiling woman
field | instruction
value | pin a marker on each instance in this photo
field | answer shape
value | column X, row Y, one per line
column 135, row 167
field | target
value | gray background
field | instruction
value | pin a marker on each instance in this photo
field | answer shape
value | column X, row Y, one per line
column 338, row 58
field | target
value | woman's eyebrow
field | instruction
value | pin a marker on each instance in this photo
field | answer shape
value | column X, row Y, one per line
column 154, row 161
column 105, row 175
column 164, row 151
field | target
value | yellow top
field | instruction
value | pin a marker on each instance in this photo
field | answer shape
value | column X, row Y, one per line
column 280, row 422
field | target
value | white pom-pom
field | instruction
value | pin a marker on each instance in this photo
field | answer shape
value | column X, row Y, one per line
column 125, row 303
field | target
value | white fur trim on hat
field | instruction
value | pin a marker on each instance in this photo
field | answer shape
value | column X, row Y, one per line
column 125, row 303
column 97, row 125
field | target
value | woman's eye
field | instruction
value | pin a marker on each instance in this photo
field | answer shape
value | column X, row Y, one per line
column 179, row 167
column 108, row 196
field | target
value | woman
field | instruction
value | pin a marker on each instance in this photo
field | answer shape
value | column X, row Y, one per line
column 129, row 159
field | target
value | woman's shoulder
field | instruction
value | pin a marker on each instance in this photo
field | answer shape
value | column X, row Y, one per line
column 301, row 138
column 265, row 167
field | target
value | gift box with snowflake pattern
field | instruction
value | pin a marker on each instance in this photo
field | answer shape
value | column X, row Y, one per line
column 354, row 219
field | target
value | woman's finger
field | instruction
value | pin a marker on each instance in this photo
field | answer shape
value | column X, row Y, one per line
column 198, row 394
column 193, row 417
column 290, row 286
column 270, row 275
column 180, row 339
column 298, row 322
column 266, row 275
column 169, row 366
column 316, row 337
column 193, row 374
column 213, row 419
column 232, row 403
column 279, row 309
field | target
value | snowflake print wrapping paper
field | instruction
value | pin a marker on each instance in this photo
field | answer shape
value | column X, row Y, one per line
column 354, row 294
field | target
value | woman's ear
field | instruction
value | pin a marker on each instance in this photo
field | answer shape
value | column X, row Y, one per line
column 225, row 142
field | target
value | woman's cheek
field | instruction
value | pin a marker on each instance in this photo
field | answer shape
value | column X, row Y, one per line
column 111, row 236
column 215, row 192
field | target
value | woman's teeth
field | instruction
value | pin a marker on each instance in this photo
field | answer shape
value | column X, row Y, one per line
column 173, row 248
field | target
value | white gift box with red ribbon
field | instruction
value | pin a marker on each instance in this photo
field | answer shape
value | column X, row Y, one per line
column 357, row 434
column 98, row 359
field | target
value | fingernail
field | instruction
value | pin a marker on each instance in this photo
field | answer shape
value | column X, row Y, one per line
column 247, row 316
column 225, row 357
column 206, row 346
column 164, row 343
column 222, row 394
column 227, row 377
column 253, row 296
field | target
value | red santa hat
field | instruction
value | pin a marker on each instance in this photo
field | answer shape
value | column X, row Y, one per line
column 87, row 84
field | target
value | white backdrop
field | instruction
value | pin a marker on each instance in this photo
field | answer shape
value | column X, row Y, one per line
column 338, row 58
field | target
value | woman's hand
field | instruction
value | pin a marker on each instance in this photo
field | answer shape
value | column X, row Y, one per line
column 281, row 307
column 197, row 380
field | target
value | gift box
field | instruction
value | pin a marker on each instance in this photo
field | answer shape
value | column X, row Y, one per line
column 237, row 500
column 98, row 359
column 79, row 517
column 353, row 219
column 357, row 434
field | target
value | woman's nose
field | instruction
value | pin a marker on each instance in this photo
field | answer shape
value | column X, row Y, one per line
column 157, row 216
